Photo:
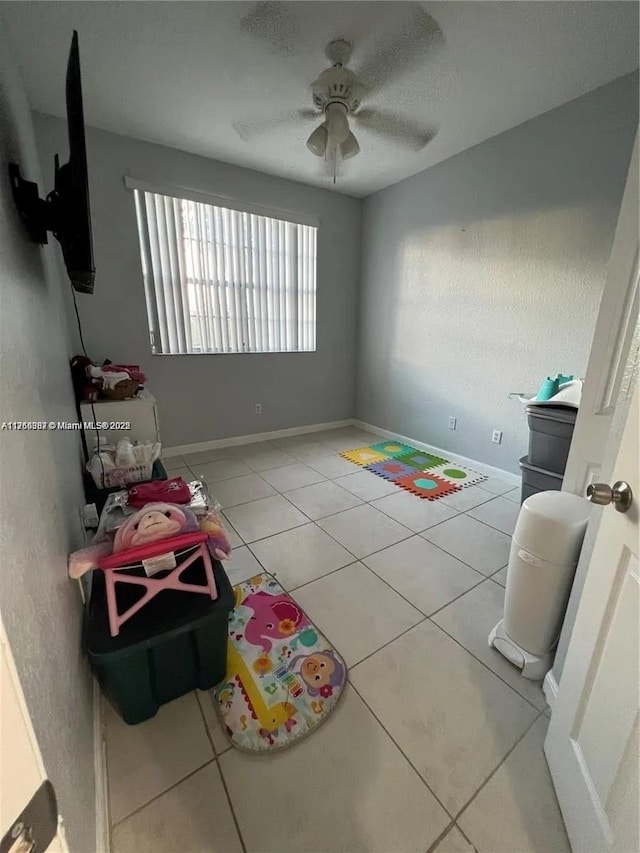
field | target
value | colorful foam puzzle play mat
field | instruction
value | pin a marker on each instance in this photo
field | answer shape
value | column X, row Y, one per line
column 284, row 678
column 419, row 472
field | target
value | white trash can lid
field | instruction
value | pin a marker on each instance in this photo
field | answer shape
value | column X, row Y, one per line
column 552, row 525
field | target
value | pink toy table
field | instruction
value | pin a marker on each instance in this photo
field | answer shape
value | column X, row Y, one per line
column 185, row 548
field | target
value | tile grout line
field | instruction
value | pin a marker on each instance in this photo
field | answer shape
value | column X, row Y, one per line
column 457, row 815
column 162, row 793
column 242, row 503
column 415, row 606
column 465, row 836
column 309, row 521
column 222, row 779
column 486, row 524
column 453, row 555
column 316, row 520
column 412, row 533
column 313, row 580
column 283, row 495
column 528, row 701
column 443, row 835
column 401, row 751
column 482, row 579
column 363, row 501
column 457, row 598
column 349, row 667
column 361, row 559
column 429, row 619
column 498, row 766
column 205, row 723
column 114, row 824
column 356, row 559
column 433, row 847
column 231, row 808
column 388, row 643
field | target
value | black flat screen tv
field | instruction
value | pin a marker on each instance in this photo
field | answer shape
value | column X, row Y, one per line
column 66, row 211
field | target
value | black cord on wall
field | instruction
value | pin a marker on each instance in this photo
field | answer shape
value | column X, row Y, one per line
column 93, row 411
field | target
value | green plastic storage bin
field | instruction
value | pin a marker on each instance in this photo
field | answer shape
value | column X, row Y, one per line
column 175, row 644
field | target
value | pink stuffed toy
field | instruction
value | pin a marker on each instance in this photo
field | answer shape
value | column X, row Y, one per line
column 152, row 523
column 219, row 545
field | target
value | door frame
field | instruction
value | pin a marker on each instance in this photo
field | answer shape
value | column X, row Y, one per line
column 20, row 751
column 596, row 634
column 613, row 324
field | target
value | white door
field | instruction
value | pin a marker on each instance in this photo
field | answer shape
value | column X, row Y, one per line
column 592, row 744
column 21, row 768
column 611, row 341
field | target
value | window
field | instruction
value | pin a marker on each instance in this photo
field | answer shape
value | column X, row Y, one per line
column 221, row 280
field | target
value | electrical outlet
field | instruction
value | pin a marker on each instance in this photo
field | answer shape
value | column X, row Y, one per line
column 452, row 422
column 258, row 408
column 496, row 436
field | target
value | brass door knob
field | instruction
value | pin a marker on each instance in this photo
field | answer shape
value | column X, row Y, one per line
column 620, row 495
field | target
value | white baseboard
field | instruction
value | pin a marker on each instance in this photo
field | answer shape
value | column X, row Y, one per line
column 103, row 842
column 179, row 449
column 489, row 470
column 215, row 444
column 550, row 688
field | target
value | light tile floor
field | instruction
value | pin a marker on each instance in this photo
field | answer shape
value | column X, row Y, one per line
column 437, row 745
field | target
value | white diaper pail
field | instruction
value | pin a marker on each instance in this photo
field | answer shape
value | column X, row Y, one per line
column 544, row 553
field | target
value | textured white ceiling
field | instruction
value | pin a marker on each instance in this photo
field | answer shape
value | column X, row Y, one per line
column 179, row 73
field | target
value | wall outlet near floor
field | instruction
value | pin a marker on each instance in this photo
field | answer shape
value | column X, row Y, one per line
column 496, row 436
column 453, row 422
column 258, row 408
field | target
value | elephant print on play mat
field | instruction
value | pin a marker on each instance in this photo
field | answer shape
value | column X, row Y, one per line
column 284, row 678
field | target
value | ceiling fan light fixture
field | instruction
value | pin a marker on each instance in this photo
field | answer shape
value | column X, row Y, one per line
column 349, row 148
column 317, row 142
column 337, row 122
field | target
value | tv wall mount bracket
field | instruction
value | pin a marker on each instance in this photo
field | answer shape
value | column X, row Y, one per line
column 39, row 215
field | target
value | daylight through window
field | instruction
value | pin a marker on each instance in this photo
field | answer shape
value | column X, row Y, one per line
column 221, row 280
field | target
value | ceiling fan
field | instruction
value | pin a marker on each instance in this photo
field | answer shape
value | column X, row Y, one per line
column 338, row 92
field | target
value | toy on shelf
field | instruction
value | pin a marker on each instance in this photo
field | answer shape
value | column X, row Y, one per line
column 111, row 381
column 152, row 549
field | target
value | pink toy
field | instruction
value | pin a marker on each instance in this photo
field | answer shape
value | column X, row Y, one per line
column 274, row 616
column 154, row 522
column 86, row 559
column 160, row 539
column 219, row 545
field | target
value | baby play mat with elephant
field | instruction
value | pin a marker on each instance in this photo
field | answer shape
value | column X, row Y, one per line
column 283, row 677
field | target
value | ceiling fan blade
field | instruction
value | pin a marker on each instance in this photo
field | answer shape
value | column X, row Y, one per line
column 393, row 57
column 251, row 128
column 275, row 23
column 395, row 129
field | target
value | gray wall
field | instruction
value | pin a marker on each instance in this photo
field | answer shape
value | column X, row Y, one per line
column 204, row 397
column 41, row 488
column 483, row 274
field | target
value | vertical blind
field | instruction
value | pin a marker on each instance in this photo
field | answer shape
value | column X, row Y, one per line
column 219, row 280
